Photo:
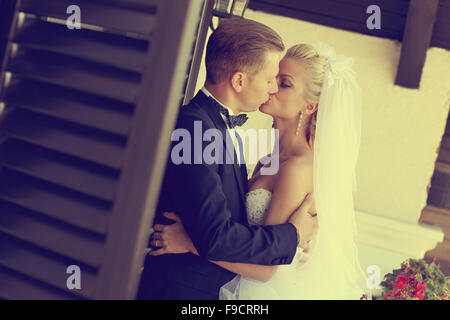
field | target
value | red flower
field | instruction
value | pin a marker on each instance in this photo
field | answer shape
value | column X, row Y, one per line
column 402, row 278
column 399, row 285
column 421, row 286
column 420, row 295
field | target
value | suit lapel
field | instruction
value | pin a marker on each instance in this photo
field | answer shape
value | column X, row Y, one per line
column 215, row 116
column 243, row 165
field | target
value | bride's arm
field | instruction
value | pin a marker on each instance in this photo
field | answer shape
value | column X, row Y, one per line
column 294, row 181
column 254, row 271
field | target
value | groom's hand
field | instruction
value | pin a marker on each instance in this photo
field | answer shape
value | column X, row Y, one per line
column 305, row 223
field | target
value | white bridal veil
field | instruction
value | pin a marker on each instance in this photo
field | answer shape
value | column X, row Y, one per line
column 333, row 267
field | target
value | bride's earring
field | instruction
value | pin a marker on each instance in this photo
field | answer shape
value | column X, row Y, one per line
column 299, row 124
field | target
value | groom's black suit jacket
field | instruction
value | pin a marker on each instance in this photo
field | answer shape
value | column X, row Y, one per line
column 210, row 201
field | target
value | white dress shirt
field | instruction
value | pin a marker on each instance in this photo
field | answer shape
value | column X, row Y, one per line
column 231, row 132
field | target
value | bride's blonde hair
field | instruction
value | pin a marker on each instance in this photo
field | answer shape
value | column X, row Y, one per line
column 315, row 67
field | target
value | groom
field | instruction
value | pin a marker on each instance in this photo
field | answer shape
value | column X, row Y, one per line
column 242, row 58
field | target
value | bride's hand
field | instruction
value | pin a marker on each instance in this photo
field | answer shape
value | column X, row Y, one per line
column 171, row 238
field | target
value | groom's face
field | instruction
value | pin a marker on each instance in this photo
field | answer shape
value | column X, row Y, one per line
column 261, row 85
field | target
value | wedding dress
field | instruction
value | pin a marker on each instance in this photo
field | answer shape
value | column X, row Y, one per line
column 290, row 282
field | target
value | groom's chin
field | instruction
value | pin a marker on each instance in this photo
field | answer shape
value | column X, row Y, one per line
column 251, row 109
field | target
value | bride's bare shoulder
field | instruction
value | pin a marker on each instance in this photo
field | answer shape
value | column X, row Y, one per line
column 295, row 178
column 297, row 168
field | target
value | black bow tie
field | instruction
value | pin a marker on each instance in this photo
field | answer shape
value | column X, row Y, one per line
column 233, row 121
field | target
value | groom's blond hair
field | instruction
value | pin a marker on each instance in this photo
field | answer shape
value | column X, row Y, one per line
column 239, row 45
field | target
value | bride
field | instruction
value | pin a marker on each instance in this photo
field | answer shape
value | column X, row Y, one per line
column 317, row 114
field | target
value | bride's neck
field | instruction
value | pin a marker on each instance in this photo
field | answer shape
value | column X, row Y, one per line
column 290, row 144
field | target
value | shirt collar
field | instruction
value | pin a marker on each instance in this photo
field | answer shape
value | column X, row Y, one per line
column 208, row 94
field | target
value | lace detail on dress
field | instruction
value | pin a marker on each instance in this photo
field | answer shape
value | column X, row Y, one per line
column 257, row 203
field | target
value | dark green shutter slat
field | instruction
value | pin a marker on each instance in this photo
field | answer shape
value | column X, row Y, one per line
column 43, row 266
column 59, row 238
column 71, row 105
column 114, row 50
column 76, row 74
column 17, row 286
column 54, row 202
column 97, row 14
column 58, row 169
column 74, row 140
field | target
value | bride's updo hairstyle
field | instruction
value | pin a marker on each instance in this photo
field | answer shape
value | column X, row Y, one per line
column 315, row 67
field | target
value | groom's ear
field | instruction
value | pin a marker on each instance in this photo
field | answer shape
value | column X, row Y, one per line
column 237, row 81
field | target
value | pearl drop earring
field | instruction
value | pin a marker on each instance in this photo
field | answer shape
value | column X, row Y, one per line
column 299, row 124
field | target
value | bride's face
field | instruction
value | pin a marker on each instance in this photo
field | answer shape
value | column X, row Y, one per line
column 289, row 101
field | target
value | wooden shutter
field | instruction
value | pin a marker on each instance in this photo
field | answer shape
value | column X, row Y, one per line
column 85, row 128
